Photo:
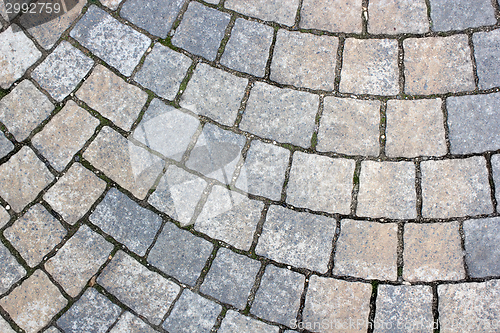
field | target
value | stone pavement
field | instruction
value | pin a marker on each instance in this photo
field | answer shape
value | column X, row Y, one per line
column 251, row 166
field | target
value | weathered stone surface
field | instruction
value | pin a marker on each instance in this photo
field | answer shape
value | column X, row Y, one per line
column 349, row 126
column 487, row 55
column 230, row 278
column 4, row 325
column 24, row 109
column 65, row 135
column 297, row 238
column 117, row 44
column 304, row 60
column 111, row 4
column 448, row 66
column 4, row 217
column 214, row 93
column 482, row 253
column 11, row 271
column 235, row 322
column 283, row 115
column 495, row 164
column 131, row 324
column 22, row 178
column 62, row 70
column 415, row 128
column 33, row 304
column 432, row 252
column 189, row 257
column 461, row 14
column 280, row 11
column 52, row 330
column 387, row 189
column 5, row 145
column 332, row 15
column 35, row 234
column 321, row 183
column 201, row 30
column 78, row 260
column 367, row 250
column 453, row 188
column 397, row 16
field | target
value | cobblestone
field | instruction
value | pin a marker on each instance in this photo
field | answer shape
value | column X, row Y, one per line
column 495, row 164
column 5, row 145
column 4, row 217
column 481, row 247
column 458, row 15
column 331, row 15
column 235, row 322
column 11, row 270
column 130, row 323
column 281, row 11
column 111, row 4
column 4, row 326
column 397, row 16
column 486, row 52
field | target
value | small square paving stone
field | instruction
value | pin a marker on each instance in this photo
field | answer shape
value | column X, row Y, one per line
column 35, row 234
column 112, row 97
column 230, row 217
column 155, row 16
column 471, row 122
column 4, row 325
column 17, row 54
column 461, row 14
column 469, row 307
column 236, row 322
column 278, row 297
column 370, row 66
column 5, row 145
column 367, row 250
column 117, row 44
column 33, row 304
column 144, row 291
column 397, row 16
column 201, row 30
column 62, row 70
column 387, row 189
column 338, row 303
column 91, row 313
column 281, row 114
column 78, row 260
column 432, row 252
column 4, row 217
column 230, row 278
column 65, row 135
column 332, row 15
column 192, row 314
column 74, row 194
column 186, row 262
column 131, row 324
column 482, row 253
column 297, row 238
column 349, row 126
column 264, row 170
column 415, row 128
column 455, row 188
column 163, row 71
column 10, row 270
column 248, row 47
column 304, row 60
column 495, row 165
column 448, row 67
column 405, row 309
column 487, row 55
column 22, row 178
column 321, row 183
column 214, row 93
column 279, row 11
column 131, row 166
column 24, row 109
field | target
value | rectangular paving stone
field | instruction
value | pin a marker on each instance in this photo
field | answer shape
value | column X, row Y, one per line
column 10, row 270
column 35, row 234
column 6, row 146
column 487, row 55
column 340, row 304
column 461, row 14
column 448, row 67
column 397, row 16
column 78, row 260
column 279, row 11
column 163, row 71
column 214, row 93
column 236, row 322
column 112, row 97
column 126, row 221
column 495, row 165
column 367, row 250
column 281, row 114
column 230, row 278
column 4, row 325
column 248, row 47
column 415, row 128
column 471, row 121
column 482, row 254
column 190, row 255
column 144, row 291
column 65, row 135
column 307, row 242
column 278, row 297
column 62, row 70
column 117, row 44
column 24, row 109
column 469, row 307
column 304, row 60
column 432, row 252
column 387, row 189
column 201, row 30
column 454, row 188
column 370, row 66
column 332, row 15
column 349, row 126
column 131, row 324
column 33, row 304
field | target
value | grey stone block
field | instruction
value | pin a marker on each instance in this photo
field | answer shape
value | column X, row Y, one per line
column 5, row 145
column 11, row 271
column 332, row 15
column 131, row 324
column 495, row 164
column 4, row 217
column 461, row 14
column 397, row 16
column 280, row 11
column 487, row 54
column 482, row 253
column 236, row 322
